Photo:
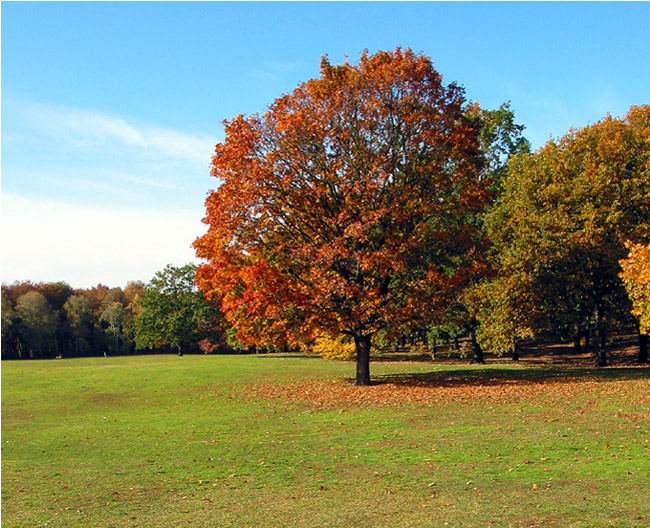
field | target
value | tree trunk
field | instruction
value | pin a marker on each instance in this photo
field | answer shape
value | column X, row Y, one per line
column 600, row 350
column 577, row 349
column 477, row 351
column 362, row 344
column 515, row 351
column 643, row 348
column 180, row 350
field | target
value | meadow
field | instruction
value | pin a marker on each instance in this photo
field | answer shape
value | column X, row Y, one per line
column 233, row 441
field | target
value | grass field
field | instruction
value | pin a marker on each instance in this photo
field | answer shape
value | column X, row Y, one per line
column 217, row 441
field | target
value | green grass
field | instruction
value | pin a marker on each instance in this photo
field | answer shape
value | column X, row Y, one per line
column 160, row 441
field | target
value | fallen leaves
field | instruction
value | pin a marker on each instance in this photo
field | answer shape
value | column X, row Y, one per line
column 336, row 394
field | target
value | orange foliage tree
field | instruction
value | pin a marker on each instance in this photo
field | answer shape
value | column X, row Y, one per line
column 346, row 208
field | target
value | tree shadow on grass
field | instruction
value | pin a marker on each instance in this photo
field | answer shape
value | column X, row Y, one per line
column 510, row 376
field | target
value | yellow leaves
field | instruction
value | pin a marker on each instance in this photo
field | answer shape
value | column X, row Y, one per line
column 334, row 347
column 636, row 277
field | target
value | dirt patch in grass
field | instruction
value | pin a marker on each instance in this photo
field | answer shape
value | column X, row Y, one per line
column 467, row 387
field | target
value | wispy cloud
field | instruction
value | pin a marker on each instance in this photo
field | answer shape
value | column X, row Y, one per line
column 89, row 129
column 90, row 197
column 73, row 155
column 273, row 70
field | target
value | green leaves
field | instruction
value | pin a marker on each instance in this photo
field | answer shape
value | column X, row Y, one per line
column 172, row 312
column 564, row 215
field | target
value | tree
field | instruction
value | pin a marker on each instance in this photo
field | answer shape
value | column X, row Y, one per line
column 79, row 312
column 38, row 322
column 114, row 315
column 172, row 312
column 635, row 273
column 9, row 337
column 480, row 309
column 346, row 208
column 500, row 138
column 563, row 218
column 133, row 292
column 501, row 307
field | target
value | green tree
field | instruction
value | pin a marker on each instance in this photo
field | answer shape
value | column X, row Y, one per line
column 562, row 220
column 80, row 316
column 172, row 312
column 38, row 321
column 114, row 314
column 500, row 138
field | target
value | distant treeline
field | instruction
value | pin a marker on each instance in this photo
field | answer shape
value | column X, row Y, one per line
column 48, row 320
column 45, row 320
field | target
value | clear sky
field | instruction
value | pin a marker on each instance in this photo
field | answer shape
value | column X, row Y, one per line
column 110, row 111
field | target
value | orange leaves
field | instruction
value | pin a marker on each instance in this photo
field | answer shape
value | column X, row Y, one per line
column 333, row 394
column 339, row 205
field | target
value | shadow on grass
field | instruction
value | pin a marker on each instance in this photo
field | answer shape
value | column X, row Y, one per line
column 510, row 376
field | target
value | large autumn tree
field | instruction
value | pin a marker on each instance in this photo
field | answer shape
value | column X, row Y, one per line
column 347, row 207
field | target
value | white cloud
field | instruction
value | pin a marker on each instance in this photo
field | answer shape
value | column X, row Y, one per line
column 46, row 240
column 89, row 129
column 90, row 197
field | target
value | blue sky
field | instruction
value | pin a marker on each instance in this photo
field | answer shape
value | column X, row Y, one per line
column 110, row 111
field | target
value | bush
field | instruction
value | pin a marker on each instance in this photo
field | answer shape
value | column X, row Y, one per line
column 335, row 347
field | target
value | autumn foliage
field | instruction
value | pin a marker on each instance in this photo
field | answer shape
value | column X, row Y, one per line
column 636, row 276
column 347, row 207
column 560, row 226
column 334, row 347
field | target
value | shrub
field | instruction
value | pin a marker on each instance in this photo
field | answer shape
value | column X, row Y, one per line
column 335, row 347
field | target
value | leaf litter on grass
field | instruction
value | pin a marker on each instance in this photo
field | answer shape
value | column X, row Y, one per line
column 437, row 389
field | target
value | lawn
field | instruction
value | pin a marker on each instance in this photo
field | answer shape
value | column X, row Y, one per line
column 218, row 441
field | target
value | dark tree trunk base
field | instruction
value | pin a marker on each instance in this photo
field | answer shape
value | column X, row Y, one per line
column 577, row 348
column 362, row 344
column 600, row 356
column 643, row 349
column 477, row 351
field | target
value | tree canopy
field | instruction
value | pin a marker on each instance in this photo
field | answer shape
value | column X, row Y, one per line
column 172, row 312
column 562, row 221
column 636, row 276
column 347, row 207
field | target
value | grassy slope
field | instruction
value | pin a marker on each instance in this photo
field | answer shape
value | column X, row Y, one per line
column 164, row 441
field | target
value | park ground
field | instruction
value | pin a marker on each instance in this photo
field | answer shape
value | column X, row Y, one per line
column 269, row 441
